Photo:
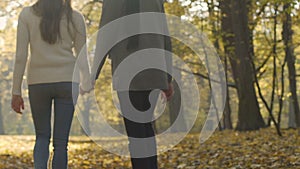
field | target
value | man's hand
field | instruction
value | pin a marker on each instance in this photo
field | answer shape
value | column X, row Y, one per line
column 83, row 92
column 17, row 103
column 169, row 92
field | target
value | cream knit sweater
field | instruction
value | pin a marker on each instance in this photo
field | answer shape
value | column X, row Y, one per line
column 50, row 63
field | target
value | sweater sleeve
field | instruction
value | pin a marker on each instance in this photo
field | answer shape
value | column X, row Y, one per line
column 81, row 52
column 21, row 54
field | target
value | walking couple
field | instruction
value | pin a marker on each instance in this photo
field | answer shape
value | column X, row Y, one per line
column 53, row 30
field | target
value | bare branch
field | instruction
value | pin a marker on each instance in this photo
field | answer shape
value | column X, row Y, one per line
column 206, row 77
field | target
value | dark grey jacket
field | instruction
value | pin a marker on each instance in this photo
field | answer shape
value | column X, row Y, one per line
column 148, row 79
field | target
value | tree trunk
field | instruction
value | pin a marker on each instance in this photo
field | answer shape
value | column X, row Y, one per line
column 235, row 16
column 227, row 122
column 228, row 42
column 1, row 121
column 227, row 112
column 227, row 116
column 291, row 122
column 216, row 32
column 289, row 51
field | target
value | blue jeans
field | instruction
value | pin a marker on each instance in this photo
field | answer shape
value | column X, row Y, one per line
column 41, row 97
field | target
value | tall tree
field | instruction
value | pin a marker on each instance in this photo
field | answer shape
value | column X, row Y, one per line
column 215, row 26
column 228, row 42
column 237, row 37
column 287, row 35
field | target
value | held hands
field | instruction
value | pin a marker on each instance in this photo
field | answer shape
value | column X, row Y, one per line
column 83, row 91
column 17, row 103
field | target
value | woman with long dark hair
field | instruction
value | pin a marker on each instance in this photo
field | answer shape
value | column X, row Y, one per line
column 52, row 29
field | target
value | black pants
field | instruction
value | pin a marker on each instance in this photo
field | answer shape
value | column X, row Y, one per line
column 140, row 100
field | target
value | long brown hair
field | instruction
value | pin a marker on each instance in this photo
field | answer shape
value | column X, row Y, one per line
column 51, row 12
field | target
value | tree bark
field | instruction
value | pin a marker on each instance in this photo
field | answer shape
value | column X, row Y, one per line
column 228, row 41
column 291, row 122
column 289, row 51
column 2, row 132
column 227, row 112
column 236, row 26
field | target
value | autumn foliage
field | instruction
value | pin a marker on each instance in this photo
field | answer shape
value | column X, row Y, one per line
column 227, row 149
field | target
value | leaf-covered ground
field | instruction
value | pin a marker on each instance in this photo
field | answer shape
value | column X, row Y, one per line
column 227, row 149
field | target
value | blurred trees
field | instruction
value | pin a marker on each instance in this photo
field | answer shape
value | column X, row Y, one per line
column 287, row 34
column 237, row 37
column 258, row 42
column 251, row 41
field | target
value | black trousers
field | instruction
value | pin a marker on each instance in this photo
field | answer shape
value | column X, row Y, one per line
column 140, row 101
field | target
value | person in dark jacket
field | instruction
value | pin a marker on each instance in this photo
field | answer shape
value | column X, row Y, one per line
column 144, row 83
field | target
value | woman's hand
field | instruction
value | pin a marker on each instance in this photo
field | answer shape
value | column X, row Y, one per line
column 17, row 103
